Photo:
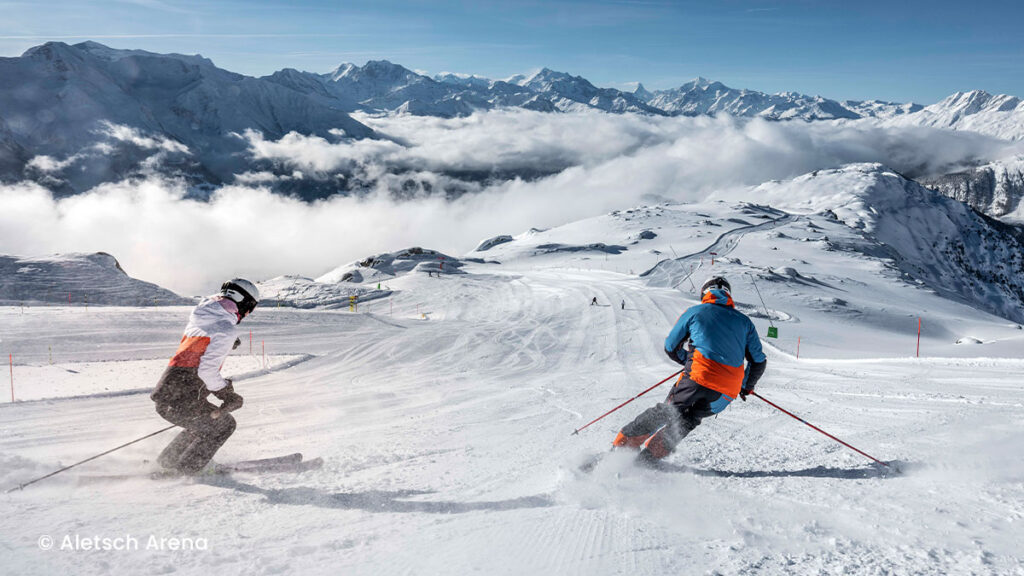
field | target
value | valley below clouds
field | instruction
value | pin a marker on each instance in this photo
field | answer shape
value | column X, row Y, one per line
column 303, row 204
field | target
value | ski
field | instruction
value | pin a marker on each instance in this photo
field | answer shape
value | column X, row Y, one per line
column 263, row 462
column 591, row 462
column 282, row 464
column 271, row 466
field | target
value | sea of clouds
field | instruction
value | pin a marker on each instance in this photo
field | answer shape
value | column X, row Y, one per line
column 579, row 165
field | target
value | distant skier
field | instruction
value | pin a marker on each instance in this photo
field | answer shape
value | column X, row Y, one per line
column 720, row 338
column 194, row 373
column 623, row 304
column 594, row 301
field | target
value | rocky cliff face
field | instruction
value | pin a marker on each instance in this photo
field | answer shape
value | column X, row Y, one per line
column 995, row 189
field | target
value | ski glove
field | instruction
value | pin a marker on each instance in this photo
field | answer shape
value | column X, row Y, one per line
column 744, row 392
column 231, row 400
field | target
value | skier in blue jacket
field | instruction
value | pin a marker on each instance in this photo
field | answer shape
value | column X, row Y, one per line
column 711, row 341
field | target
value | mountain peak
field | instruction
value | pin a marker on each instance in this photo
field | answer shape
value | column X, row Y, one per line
column 387, row 68
column 977, row 101
column 703, row 84
column 642, row 93
column 547, row 74
column 343, row 69
column 49, row 50
column 381, row 64
column 546, row 78
column 91, row 45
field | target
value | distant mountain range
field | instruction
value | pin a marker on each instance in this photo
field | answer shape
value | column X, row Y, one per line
column 101, row 112
column 74, row 116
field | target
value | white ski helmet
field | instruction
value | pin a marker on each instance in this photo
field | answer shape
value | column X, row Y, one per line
column 716, row 283
column 243, row 293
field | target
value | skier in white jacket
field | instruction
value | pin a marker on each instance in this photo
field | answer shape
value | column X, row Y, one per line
column 194, row 373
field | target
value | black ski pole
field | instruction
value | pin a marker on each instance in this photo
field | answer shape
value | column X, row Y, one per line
column 22, row 486
column 763, row 305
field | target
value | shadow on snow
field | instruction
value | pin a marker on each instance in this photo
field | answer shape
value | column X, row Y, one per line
column 376, row 500
column 871, row 471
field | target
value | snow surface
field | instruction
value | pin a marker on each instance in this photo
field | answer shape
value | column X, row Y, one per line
column 445, row 418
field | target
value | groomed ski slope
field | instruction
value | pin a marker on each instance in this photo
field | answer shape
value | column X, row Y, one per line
column 445, row 426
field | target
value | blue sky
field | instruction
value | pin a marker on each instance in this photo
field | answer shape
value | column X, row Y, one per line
column 899, row 51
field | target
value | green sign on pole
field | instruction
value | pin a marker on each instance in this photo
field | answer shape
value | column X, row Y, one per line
column 773, row 332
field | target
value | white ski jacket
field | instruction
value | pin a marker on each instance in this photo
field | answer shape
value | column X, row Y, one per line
column 208, row 339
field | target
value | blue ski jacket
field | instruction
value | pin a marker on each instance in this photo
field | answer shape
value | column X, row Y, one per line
column 720, row 337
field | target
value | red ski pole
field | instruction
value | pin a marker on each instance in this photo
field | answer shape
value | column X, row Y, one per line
column 577, row 431
column 816, row 428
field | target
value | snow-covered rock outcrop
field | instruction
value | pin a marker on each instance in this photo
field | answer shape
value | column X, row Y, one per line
column 78, row 279
column 301, row 292
column 384, row 267
column 995, row 189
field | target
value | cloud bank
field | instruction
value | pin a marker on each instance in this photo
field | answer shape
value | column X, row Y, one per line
column 416, row 190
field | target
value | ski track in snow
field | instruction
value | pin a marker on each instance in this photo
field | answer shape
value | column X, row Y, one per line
column 448, row 449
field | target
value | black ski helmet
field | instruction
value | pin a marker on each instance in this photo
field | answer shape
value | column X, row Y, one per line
column 716, row 282
column 243, row 293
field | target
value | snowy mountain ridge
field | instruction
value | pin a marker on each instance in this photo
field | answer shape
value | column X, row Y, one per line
column 80, row 105
column 933, row 239
column 75, row 116
column 77, row 279
column 997, row 115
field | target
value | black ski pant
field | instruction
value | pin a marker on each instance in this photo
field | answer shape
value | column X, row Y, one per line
column 203, row 435
column 664, row 425
column 181, row 399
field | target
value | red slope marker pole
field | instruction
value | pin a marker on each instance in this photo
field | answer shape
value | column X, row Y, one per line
column 577, row 431
column 918, row 355
column 798, row 347
column 862, row 453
